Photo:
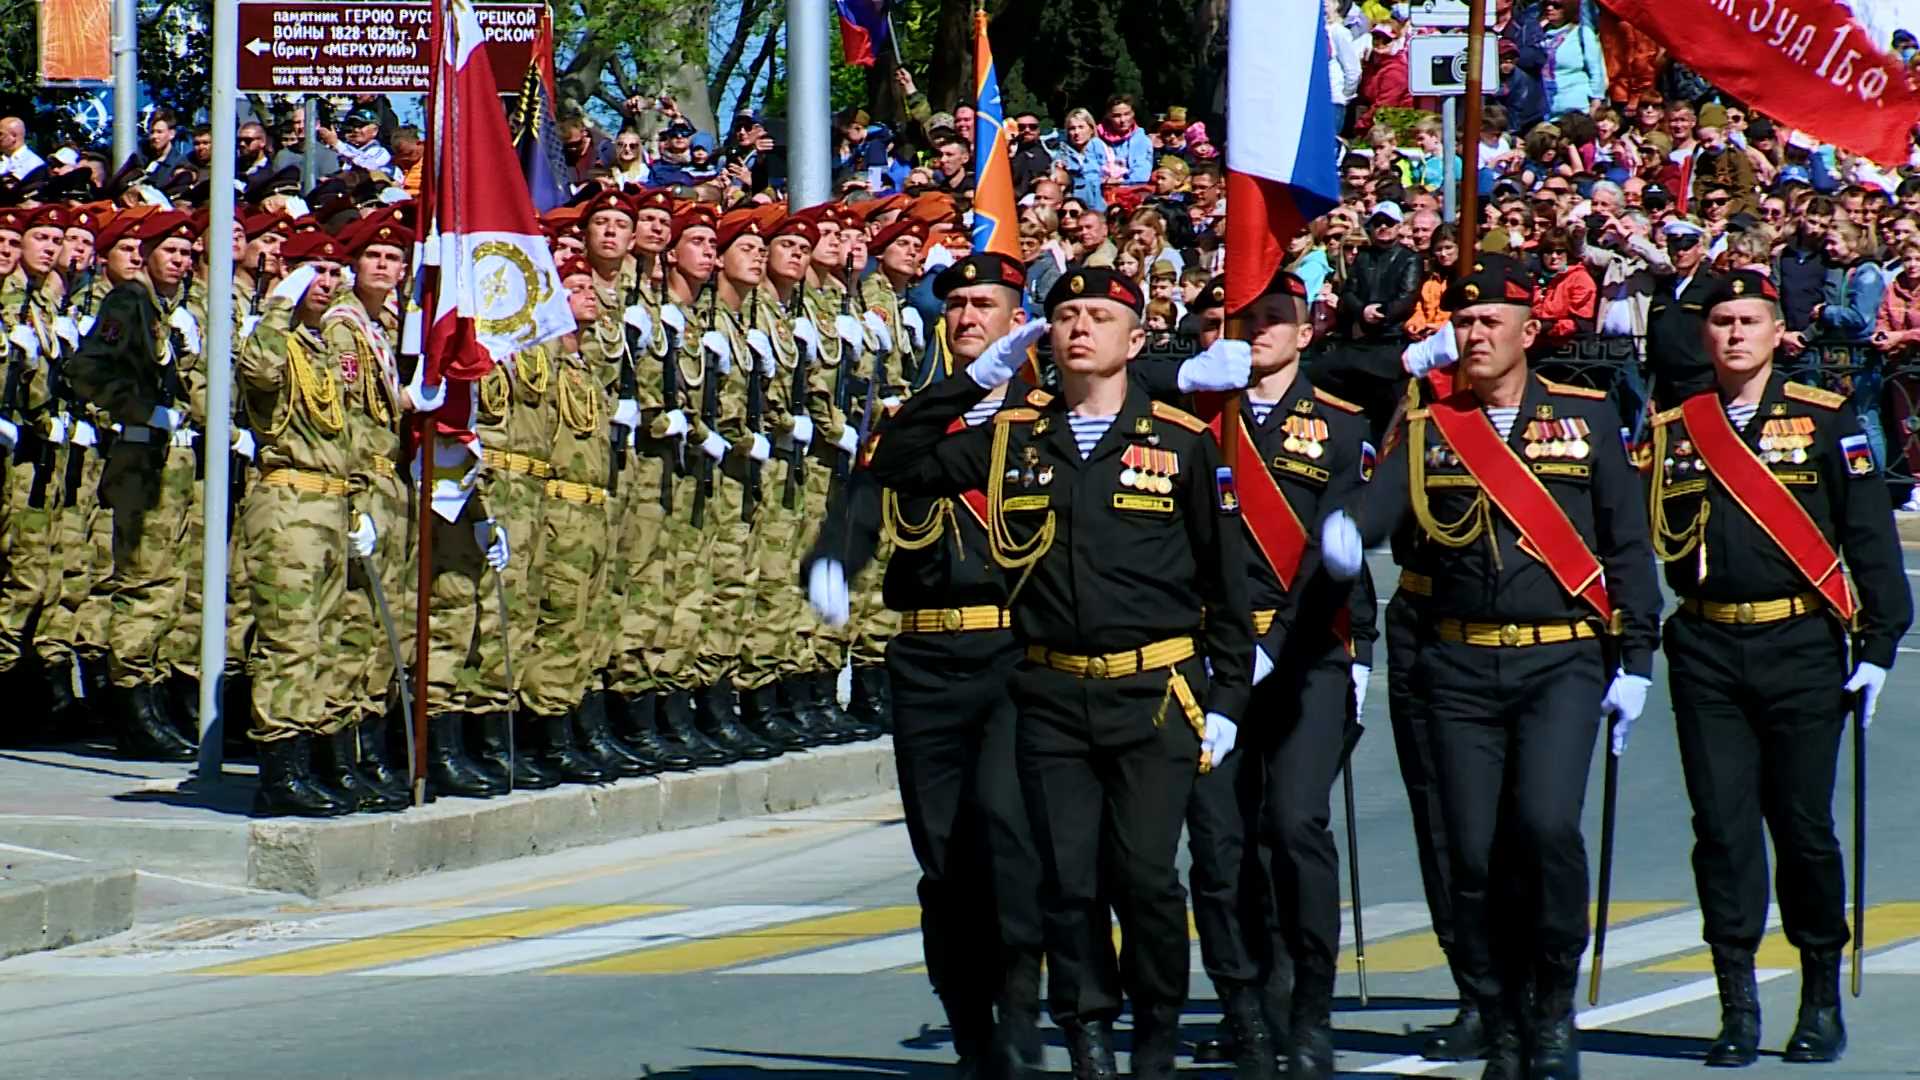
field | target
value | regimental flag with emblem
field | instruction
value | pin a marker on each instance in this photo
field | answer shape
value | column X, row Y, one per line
column 497, row 291
column 542, row 161
column 996, row 224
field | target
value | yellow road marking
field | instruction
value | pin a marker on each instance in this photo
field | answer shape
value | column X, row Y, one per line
column 732, row 950
column 1419, row 950
column 1887, row 924
column 458, row 935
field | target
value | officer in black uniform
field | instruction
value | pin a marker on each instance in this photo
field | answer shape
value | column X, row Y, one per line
column 1112, row 516
column 1757, row 654
column 953, row 721
column 1676, row 359
column 1518, row 668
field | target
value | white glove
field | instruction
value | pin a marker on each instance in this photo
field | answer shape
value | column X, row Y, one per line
column 424, row 398
column 1262, row 665
column 626, row 414
column 1626, row 699
column 915, row 329
column 759, row 448
column 166, row 419
column 1218, row 741
column 1360, row 673
column 1869, row 679
column 714, row 446
column 293, row 288
column 361, row 540
column 23, row 338
column 847, row 329
column 86, row 325
column 849, row 440
column 67, row 330
column 183, row 321
column 636, row 316
column 1003, row 358
column 674, row 317
column 492, row 539
column 1436, row 350
column 248, row 325
column 244, row 445
column 762, row 346
column 805, row 331
column 827, row 591
column 1226, row 365
column 84, row 434
column 801, row 433
column 878, row 327
column 677, row 424
column 716, row 343
column 1340, row 546
column 9, row 435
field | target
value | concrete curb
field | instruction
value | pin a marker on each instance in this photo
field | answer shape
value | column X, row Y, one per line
column 1909, row 527
column 50, row 905
column 320, row 858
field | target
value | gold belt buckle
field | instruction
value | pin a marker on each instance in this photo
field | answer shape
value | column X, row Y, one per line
column 950, row 620
column 1097, row 667
column 1743, row 613
column 1510, row 635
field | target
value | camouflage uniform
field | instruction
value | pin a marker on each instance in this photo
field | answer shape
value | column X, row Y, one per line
column 85, row 527
column 33, row 565
column 772, row 648
column 685, row 586
column 823, row 304
column 725, row 575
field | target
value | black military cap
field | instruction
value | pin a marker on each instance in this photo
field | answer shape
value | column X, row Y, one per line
column 1213, row 296
column 1741, row 285
column 983, row 269
column 1291, row 290
column 1496, row 279
column 32, row 185
column 180, row 182
column 268, row 184
column 131, row 173
column 1096, row 283
column 74, row 185
column 332, row 187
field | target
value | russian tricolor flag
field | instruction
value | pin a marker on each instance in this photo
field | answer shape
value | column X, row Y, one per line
column 863, row 29
column 1282, row 138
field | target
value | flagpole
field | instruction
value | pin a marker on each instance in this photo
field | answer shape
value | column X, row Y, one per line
column 427, row 233
column 1470, row 158
column 893, row 38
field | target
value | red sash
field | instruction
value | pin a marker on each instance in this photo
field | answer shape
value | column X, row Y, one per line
column 1545, row 532
column 974, row 500
column 1276, row 529
column 1765, row 499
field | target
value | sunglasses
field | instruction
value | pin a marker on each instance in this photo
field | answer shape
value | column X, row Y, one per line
column 1711, row 201
column 1029, row 127
column 1773, row 215
column 1682, row 243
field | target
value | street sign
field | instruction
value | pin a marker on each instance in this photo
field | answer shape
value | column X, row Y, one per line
column 1444, row 13
column 355, row 47
column 1437, row 65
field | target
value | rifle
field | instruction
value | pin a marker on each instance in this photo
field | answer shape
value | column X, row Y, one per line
column 796, row 406
column 756, row 414
column 63, row 391
column 33, row 446
column 843, row 379
column 709, row 412
column 629, row 388
column 172, row 390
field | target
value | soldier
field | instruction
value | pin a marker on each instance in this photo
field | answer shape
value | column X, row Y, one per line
column 1542, row 621
column 1676, row 358
column 1759, row 486
column 130, row 368
column 1113, row 516
column 954, row 721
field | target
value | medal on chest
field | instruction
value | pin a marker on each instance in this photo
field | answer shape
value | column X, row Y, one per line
column 1553, row 440
column 1786, row 440
column 1144, row 468
column 1306, row 435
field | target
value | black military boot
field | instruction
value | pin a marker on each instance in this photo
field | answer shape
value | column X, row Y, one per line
column 714, row 716
column 144, row 731
column 65, row 710
column 1464, row 1039
column 560, row 754
column 1553, row 1050
column 1738, row 1044
column 449, row 770
column 503, row 741
column 312, row 762
column 1018, row 1049
column 768, row 718
column 868, row 709
column 284, row 792
column 593, row 735
column 641, row 727
column 182, row 698
column 828, row 720
column 972, row 1025
column 797, row 698
column 1310, row 1027
column 678, row 727
column 334, row 767
column 1819, row 1034
column 373, row 733
column 1253, row 1049
column 1156, row 1035
column 1090, row 1048
column 1502, row 1031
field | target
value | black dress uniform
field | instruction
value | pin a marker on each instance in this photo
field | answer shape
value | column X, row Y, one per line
column 1676, row 355
column 1757, row 656
column 954, row 736
column 1127, row 585
column 1514, row 667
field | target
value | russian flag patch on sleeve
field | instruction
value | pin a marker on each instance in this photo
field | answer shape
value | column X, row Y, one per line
column 1225, row 496
column 1368, row 461
column 1858, row 455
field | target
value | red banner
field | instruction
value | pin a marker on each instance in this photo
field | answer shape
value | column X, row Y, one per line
column 1803, row 62
column 75, row 44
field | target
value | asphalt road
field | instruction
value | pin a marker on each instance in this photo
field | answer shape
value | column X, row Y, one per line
column 788, row 947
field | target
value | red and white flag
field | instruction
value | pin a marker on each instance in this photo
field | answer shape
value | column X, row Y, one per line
column 497, row 291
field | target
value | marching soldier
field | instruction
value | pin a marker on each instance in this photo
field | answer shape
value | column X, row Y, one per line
column 1113, row 518
column 1542, row 621
column 954, row 722
column 1759, row 487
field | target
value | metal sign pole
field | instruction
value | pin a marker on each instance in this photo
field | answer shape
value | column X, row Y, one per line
column 1450, row 172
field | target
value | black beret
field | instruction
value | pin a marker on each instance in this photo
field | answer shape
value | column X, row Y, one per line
column 1496, row 279
column 1213, row 296
column 984, row 269
column 1741, row 285
column 1096, row 283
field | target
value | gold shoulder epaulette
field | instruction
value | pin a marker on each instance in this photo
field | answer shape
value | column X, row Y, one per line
column 1178, row 416
column 1039, row 398
column 1666, row 416
column 1016, row 416
column 1813, row 395
column 1576, row 391
column 1340, row 403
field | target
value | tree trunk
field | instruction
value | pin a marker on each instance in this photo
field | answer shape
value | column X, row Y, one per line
column 951, row 80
